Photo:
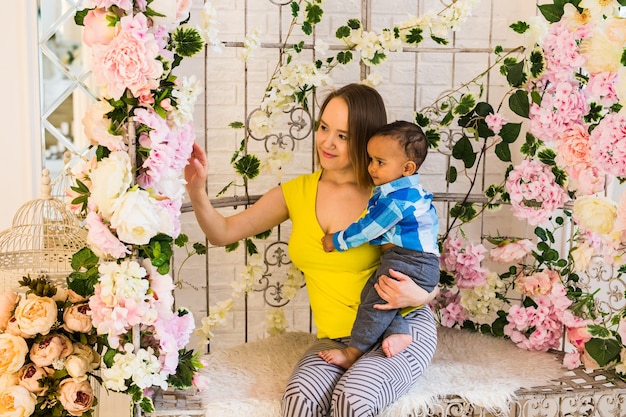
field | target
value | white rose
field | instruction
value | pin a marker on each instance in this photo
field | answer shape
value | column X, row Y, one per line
column 14, row 350
column 137, row 218
column 170, row 185
column 110, row 180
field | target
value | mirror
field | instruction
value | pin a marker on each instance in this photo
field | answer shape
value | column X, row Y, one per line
column 63, row 81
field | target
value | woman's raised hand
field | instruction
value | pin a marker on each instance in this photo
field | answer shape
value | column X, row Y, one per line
column 197, row 169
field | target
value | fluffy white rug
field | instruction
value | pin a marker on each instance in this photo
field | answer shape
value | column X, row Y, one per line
column 248, row 380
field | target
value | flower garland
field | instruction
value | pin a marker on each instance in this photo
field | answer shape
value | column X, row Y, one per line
column 568, row 88
column 129, row 190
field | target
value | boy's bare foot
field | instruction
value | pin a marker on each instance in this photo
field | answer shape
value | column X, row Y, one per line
column 341, row 357
column 396, row 343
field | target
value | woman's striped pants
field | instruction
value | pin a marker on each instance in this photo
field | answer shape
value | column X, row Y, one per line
column 318, row 389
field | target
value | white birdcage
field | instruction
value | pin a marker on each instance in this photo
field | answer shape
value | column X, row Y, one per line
column 42, row 239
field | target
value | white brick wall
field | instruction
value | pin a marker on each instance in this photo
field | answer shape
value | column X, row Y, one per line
column 410, row 81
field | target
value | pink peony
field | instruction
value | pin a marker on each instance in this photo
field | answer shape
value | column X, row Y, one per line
column 573, row 146
column 585, row 178
column 129, row 61
column 511, row 251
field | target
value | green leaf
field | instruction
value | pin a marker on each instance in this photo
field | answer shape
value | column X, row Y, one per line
column 344, row 57
column 451, row 175
column 447, row 119
column 200, row 248
column 84, row 258
column 414, row 36
column 503, row 152
column 343, row 32
column 307, row 28
column 518, row 102
column 552, row 12
column 295, row 9
column 516, row 75
column 433, row 137
column 232, row 247
column 498, row 49
column 181, row 240
column 421, row 119
column 248, row 166
column 314, row 13
column 263, row 235
column 463, row 151
column 599, row 332
column 437, row 39
column 354, row 24
column 187, row 41
column 603, row 351
column 510, row 132
column 537, row 63
column 251, row 248
column 519, row 26
column 466, row 104
column 79, row 17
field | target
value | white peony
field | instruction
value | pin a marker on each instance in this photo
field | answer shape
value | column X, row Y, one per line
column 110, row 180
column 137, row 218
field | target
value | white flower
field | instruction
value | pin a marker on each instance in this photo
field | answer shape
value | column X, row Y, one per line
column 110, row 180
column 275, row 321
column 373, row 79
column 275, row 161
column 251, row 43
column 600, row 8
column 217, row 315
column 481, row 302
column 321, row 47
column 208, row 26
column 186, row 95
column 138, row 217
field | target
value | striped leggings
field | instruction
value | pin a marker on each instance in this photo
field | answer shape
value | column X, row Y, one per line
column 318, row 389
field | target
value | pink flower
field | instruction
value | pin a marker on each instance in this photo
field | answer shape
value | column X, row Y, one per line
column 511, row 251
column 571, row 360
column 562, row 105
column 585, row 178
column 97, row 30
column 607, row 144
column 601, row 87
column 573, row 146
column 533, row 191
column 537, row 283
column 129, row 61
column 102, row 240
column 495, row 122
column 122, row 4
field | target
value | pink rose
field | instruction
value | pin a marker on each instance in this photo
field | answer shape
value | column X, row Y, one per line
column 511, row 251
column 77, row 319
column 30, row 377
column 571, row 360
column 76, row 396
column 573, row 146
column 8, row 299
column 97, row 30
column 50, row 349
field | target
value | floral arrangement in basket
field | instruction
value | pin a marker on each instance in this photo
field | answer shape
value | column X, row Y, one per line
column 568, row 87
column 49, row 350
column 128, row 189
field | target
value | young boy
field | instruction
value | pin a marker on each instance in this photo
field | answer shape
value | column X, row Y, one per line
column 402, row 219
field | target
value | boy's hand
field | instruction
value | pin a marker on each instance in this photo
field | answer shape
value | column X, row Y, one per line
column 327, row 242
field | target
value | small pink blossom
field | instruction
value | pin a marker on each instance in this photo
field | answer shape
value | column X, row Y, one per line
column 533, row 191
column 495, row 122
column 601, row 87
column 607, row 144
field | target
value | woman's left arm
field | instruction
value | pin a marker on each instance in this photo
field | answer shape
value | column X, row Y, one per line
column 400, row 291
